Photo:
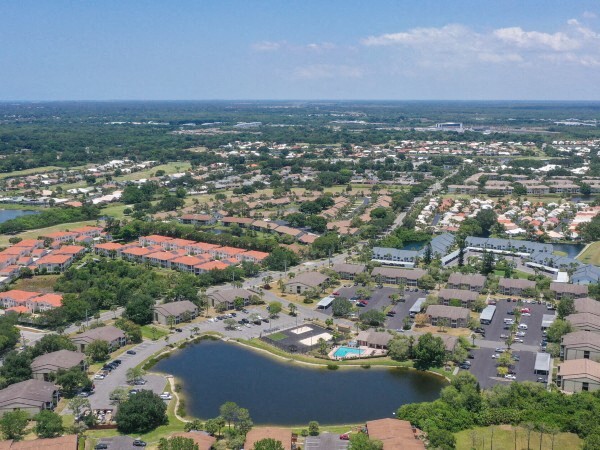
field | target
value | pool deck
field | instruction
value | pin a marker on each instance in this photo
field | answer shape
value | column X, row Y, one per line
column 366, row 351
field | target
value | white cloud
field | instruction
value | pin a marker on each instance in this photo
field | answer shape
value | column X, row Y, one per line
column 589, row 15
column 535, row 39
column 267, row 46
column 419, row 36
column 321, row 71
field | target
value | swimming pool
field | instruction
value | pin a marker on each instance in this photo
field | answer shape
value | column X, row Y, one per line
column 343, row 352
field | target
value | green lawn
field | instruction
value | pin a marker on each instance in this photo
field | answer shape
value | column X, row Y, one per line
column 523, row 275
column 277, row 337
column 38, row 283
column 504, row 439
column 149, row 334
column 591, row 255
column 20, row 173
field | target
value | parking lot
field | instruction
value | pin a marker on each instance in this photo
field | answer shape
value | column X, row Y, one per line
column 533, row 334
column 484, row 367
column 380, row 299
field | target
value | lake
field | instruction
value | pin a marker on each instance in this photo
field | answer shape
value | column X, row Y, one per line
column 414, row 246
column 282, row 393
column 572, row 250
column 7, row 214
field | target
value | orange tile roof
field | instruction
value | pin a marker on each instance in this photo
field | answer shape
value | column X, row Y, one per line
column 13, row 267
column 53, row 259
column 69, row 250
column 13, row 251
column 138, row 251
column 162, row 256
column 109, row 246
column 255, row 254
column 212, row 265
column 204, row 246
column 18, row 295
column 52, row 299
column 59, row 234
column 157, row 238
column 188, row 260
column 231, row 250
column 18, row 309
column 29, row 243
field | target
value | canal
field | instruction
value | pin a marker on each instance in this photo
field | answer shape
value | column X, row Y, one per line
column 283, row 393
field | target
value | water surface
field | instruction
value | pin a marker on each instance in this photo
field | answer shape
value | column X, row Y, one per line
column 282, row 393
column 8, row 214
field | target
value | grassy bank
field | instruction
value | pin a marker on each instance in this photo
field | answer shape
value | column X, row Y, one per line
column 33, row 234
column 504, row 439
column 591, row 255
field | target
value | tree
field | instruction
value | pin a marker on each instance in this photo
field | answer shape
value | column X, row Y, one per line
column 214, row 426
column 421, row 320
column 141, row 413
column 268, row 444
column 134, row 374
column 78, row 405
column 313, row 428
column 71, row 380
column 428, row 254
column 292, row 308
column 274, row 308
column 426, row 282
column 373, row 318
column 441, row 439
column 322, row 346
column 243, row 423
column 119, row 394
column 361, row 441
column 98, row 350
column 230, row 324
column 341, row 307
column 399, row 348
column 486, row 218
column 558, row 329
column 140, row 309
column 565, row 307
column 177, row 443
column 16, row 367
column 13, row 424
column 48, row 424
column 487, row 263
column 229, row 411
column 429, row 352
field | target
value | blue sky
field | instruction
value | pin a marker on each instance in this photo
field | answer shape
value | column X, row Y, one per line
column 305, row 49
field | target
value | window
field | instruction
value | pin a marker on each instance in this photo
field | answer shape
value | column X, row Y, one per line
column 585, row 386
column 586, row 354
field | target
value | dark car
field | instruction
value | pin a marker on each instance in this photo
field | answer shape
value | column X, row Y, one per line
column 117, row 362
column 257, row 322
column 465, row 366
column 101, row 446
column 245, row 320
column 139, row 443
column 179, row 330
column 131, row 352
column 233, row 314
column 265, row 320
column 471, row 356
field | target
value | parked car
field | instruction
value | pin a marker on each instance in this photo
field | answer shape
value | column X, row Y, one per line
column 139, row 443
column 131, row 352
column 101, row 446
column 99, row 376
column 166, row 396
column 525, row 310
column 522, row 326
column 179, row 330
column 465, row 366
column 541, row 380
column 515, row 357
column 510, row 376
column 345, row 437
column 471, row 356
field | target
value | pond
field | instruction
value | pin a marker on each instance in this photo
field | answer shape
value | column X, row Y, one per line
column 8, row 214
column 414, row 245
column 283, row 393
column 572, row 250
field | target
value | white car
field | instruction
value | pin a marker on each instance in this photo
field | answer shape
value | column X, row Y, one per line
column 166, row 396
column 99, row 376
column 495, row 356
column 526, row 314
column 510, row 377
column 519, row 340
column 521, row 333
column 522, row 326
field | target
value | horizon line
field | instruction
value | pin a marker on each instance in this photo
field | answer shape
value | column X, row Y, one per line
column 299, row 100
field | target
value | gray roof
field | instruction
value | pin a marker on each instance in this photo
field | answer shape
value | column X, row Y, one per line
column 229, row 295
column 61, row 359
column 587, row 305
column 349, row 268
column 581, row 338
column 579, row 320
column 375, row 337
column 176, row 308
column 517, row 244
column 107, row 333
column 36, row 392
column 391, row 272
column 418, row 305
column 488, row 312
column 586, row 274
column 441, row 244
column 547, row 320
column 518, row 283
column 450, row 312
column 312, row 279
column 395, row 253
column 459, row 294
column 471, row 279
column 567, row 288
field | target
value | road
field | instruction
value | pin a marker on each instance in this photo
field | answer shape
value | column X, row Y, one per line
column 105, row 316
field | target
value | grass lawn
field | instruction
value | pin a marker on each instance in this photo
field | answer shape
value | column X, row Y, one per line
column 38, row 283
column 591, row 255
column 520, row 274
column 20, row 173
column 277, row 336
column 149, row 334
column 504, row 439
column 115, row 211
column 169, row 168
column 33, row 234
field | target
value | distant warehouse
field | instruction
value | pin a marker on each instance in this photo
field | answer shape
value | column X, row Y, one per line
column 487, row 315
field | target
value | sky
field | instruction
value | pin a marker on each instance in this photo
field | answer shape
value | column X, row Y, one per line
column 304, row 49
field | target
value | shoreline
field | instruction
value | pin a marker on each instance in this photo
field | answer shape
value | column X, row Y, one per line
column 198, row 339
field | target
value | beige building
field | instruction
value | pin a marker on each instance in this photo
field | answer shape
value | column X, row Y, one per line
column 454, row 316
column 578, row 375
column 580, row 345
column 305, row 281
column 179, row 312
column 466, row 298
column 469, row 282
column 31, row 396
column 374, row 339
column 283, row 435
column 392, row 275
column 584, row 322
column 514, row 286
column 228, row 296
column 566, row 290
column 112, row 335
column 48, row 363
column 349, row 271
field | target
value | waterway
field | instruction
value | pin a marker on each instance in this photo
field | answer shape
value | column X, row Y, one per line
column 572, row 250
column 284, row 393
column 8, row 214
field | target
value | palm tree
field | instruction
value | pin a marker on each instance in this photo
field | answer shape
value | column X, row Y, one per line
column 292, row 309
